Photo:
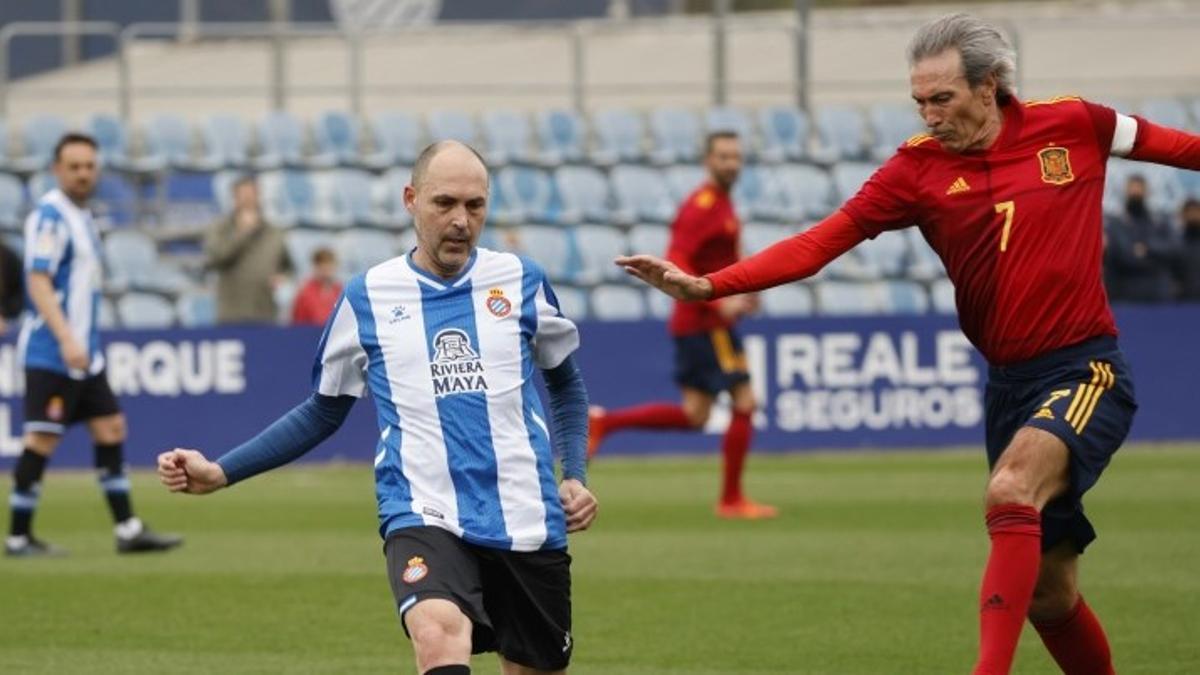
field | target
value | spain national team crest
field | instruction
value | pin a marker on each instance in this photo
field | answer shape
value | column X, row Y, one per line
column 55, row 409
column 415, row 571
column 1056, row 165
column 497, row 304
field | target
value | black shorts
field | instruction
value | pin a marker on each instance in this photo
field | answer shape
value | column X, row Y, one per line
column 54, row 401
column 518, row 602
column 712, row 362
column 1082, row 394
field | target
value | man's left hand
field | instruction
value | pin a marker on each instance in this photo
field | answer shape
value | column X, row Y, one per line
column 578, row 503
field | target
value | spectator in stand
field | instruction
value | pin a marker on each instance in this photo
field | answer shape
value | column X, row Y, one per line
column 12, row 286
column 1141, row 251
column 317, row 298
column 1189, row 258
column 250, row 258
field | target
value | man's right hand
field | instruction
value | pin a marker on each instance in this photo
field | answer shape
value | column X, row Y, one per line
column 666, row 277
column 75, row 356
column 188, row 471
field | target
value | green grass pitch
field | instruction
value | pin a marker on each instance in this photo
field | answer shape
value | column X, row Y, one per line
column 872, row 568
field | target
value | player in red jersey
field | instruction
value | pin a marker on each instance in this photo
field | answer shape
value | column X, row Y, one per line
column 1008, row 193
column 708, row 351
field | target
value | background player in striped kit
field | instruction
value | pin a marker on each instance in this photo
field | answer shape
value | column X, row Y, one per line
column 447, row 339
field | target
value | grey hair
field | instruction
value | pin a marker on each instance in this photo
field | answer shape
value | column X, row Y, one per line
column 982, row 48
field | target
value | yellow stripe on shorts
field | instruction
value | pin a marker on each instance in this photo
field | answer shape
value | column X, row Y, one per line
column 1087, row 396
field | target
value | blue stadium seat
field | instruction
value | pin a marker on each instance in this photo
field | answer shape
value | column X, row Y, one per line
column 572, row 302
column 331, row 209
column 924, row 263
column 169, row 139
column 222, row 189
column 595, row 247
column 1190, row 182
column 735, row 120
column 548, row 246
column 451, row 125
column 906, row 297
column 652, row 239
column 279, row 206
column 1165, row 191
column 1170, row 112
column 839, row 298
column 508, row 136
column 892, row 125
column 282, row 140
column 40, row 183
column 683, row 179
column 888, row 253
column 1194, row 108
column 4, row 158
column 676, row 135
column 113, row 141
column 785, row 133
column 529, row 193
column 228, row 139
column 301, row 244
column 145, row 311
column 842, row 132
column 562, row 135
column 196, row 308
column 788, row 300
column 133, row 258
column 388, row 193
column 354, row 190
column 398, row 138
column 757, row 236
column 610, row 302
column 359, row 249
column 336, row 133
column 942, row 295
column 756, row 196
column 585, row 194
column 114, row 202
column 620, row 136
column 12, row 202
column 106, row 315
column 805, row 192
column 641, row 195
column 848, row 177
column 659, row 305
column 39, row 136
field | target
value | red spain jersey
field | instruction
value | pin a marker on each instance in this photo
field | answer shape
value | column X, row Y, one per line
column 704, row 238
column 1018, row 225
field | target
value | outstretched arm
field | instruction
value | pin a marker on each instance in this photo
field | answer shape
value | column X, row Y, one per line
column 569, row 420
column 288, row 438
column 1164, row 145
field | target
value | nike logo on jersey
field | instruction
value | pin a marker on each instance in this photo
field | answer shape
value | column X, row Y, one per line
column 959, row 185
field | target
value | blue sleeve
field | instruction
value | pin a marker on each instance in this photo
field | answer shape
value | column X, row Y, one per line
column 289, row 437
column 569, row 417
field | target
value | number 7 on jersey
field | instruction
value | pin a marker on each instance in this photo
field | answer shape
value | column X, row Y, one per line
column 1008, row 208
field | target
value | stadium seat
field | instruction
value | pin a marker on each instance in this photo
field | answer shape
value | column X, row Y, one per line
column 892, row 125
column 676, row 135
column 388, row 195
column 620, row 136
column 805, row 192
column 228, row 139
column 549, row 246
column 282, row 141
column 942, row 295
column 336, row 133
column 133, row 260
column 331, row 208
column 562, row 135
column 4, row 158
column 1165, row 191
column 111, row 137
column 652, row 239
column 756, row 196
column 757, row 236
column 39, row 136
column 641, row 195
column 358, row 249
column 106, row 315
column 572, row 302
column 1170, row 112
column 596, row 246
column 683, row 180
column 222, row 189
column 529, row 194
column 451, row 125
column 508, row 136
column 585, row 194
column 398, row 138
column 611, row 302
column 659, row 305
column 169, row 139
column 842, row 132
column 40, row 183
column 278, row 205
column 838, row 298
column 848, row 177
column 301, row 244
column 785, row 133
column 196, row 308
column 143, row 310
column 737, row 121
column 12, row 202
column 788, row 300
column 1190, row 182
column 905, row 297
column 924, row 263
column 354, row 191
column 888, row 254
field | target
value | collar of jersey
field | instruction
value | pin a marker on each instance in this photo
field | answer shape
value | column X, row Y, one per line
column 436, row 281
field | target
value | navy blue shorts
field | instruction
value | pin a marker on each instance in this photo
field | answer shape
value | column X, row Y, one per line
column 1082, row 394
column 712, row 362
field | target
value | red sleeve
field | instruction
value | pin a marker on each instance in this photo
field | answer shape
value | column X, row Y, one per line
column 791, row 259
column 686, row 236
column 889, row 198
column 1164, row 145
column 1104, row 125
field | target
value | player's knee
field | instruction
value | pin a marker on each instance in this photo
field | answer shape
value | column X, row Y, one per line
column 111, row 430
column 1052, row 600
column 1008, row 487
column 697, row 418
column 42, row 443
column 438, row 631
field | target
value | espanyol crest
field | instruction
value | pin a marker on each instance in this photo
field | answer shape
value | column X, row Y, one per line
column 497, row 304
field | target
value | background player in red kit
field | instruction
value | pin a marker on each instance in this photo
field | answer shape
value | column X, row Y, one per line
column 1009, row 195
column 708, row 351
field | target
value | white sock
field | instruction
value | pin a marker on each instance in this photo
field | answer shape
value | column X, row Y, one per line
column 130, row 528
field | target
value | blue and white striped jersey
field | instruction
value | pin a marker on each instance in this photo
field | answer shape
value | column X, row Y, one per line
column 450, row 363
column 61, row 241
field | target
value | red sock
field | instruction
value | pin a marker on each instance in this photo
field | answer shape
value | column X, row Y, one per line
column 1008, row 582
column 734, row 447
column 647, row 416
column 1077, row 642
